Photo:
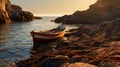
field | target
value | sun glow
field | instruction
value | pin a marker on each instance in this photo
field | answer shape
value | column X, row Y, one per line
column 53, row 7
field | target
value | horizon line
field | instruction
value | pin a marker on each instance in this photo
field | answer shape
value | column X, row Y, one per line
column 49, row 14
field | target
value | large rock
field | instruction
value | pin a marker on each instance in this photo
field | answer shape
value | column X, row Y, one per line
column 17, row 14
column 4, row 18
column 111, row 29
column 102, row 10
column 55, row 61
column 9, row 12
column 78, row 64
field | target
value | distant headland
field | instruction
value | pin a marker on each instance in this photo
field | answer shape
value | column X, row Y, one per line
column 102, row 10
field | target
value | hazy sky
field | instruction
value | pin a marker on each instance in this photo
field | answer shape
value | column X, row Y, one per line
column 53, row 7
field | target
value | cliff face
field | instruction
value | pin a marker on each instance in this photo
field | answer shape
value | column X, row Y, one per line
column 10, row 12
column 102, row 10
column 4, row 18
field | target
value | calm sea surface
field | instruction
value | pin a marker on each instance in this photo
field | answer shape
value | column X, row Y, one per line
column 15, row 40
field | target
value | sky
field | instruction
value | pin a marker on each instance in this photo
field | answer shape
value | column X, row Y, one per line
column 53, row 7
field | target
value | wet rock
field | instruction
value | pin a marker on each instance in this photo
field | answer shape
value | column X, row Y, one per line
column 115, row 57
column 78, row 64
column 76, row 58
column 109, row 64
column 95, row 62
column 85, row 60
column 96, row 52
column 55, row 61
column 115, row 44
column 104, row 54
column 111, row 28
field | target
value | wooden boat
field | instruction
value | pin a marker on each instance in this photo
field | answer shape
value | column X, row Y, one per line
column 46, row 36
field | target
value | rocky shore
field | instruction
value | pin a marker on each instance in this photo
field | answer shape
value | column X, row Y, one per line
column 95, row 45
column 87, row 46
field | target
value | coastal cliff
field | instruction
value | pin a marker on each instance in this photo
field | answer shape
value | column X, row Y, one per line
column 102, row 10
column 10, row 13
column 4, row 18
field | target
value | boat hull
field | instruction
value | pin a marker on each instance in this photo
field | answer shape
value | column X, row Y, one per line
column 39, row 37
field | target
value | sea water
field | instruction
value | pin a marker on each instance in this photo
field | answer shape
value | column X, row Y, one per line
column 15, row 39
